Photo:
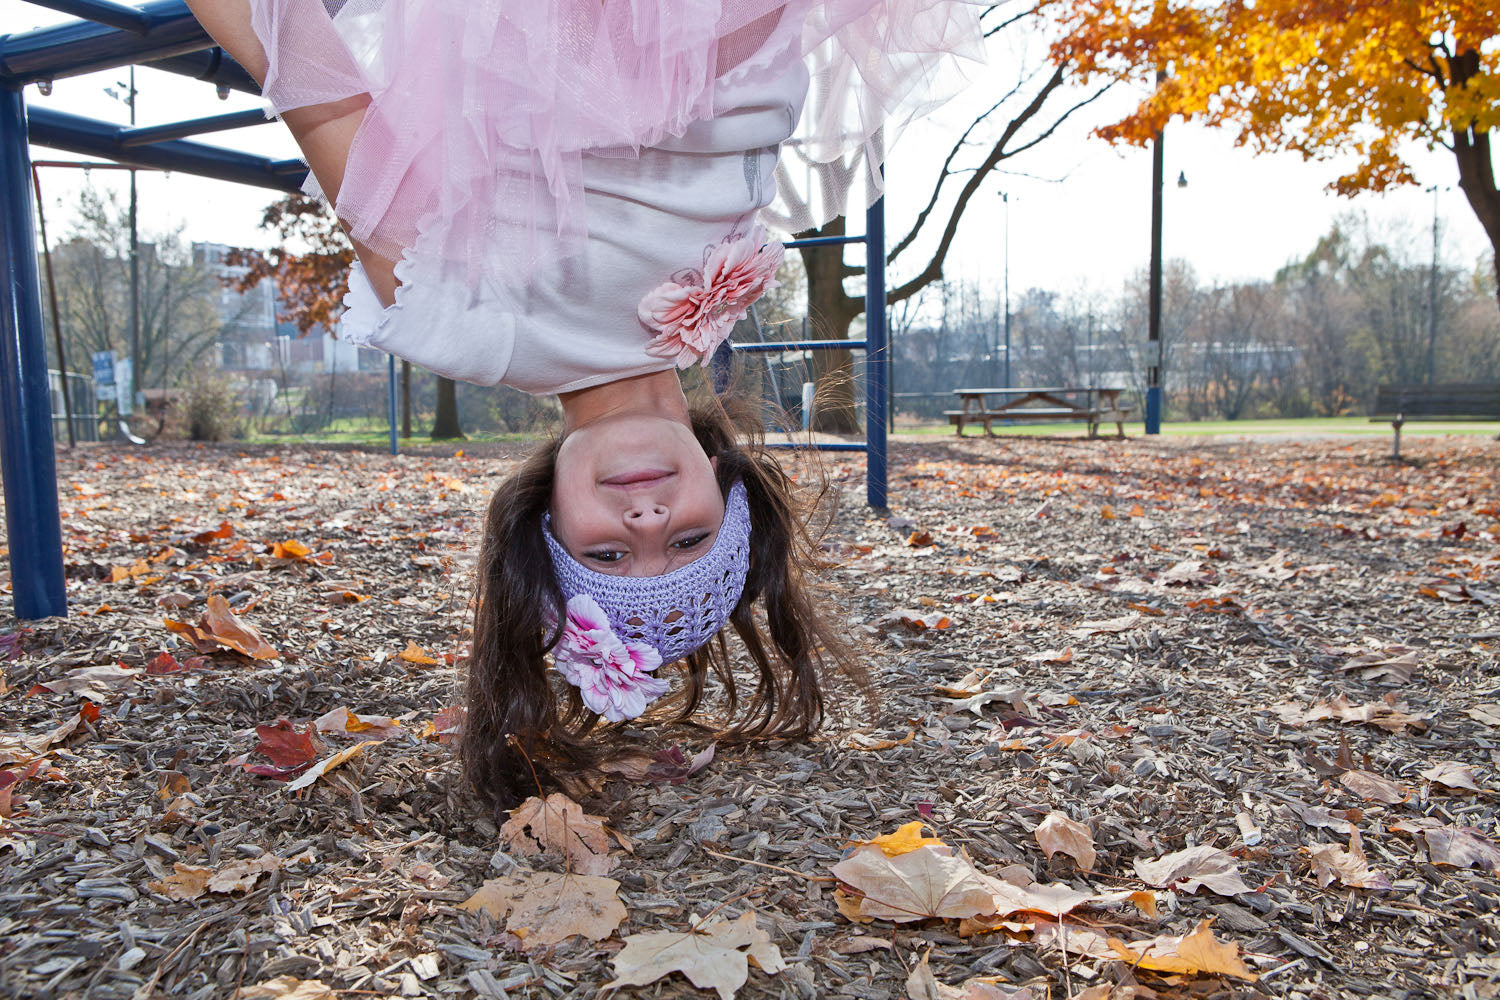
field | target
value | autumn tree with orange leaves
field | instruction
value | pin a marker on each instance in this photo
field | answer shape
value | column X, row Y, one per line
column 312, row 286
column 1320, row 78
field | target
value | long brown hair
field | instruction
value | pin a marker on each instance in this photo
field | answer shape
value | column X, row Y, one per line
column 517, row 718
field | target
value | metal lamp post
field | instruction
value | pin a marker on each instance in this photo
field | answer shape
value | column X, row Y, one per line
column 1005, row 197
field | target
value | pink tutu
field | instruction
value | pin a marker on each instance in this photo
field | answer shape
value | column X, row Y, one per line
column 482, row 109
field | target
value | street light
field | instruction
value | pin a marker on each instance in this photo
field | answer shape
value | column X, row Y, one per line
column 1007, row 200
column 1153, row 332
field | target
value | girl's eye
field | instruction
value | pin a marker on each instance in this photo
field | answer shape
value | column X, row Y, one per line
column 606, row 556
column 690, row 543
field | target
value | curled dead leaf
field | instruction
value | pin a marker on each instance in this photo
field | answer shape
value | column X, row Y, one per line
column 1197, row 953
column 1060, row 834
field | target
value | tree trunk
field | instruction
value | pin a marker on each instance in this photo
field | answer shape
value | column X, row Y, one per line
column 1476, row 168
column 406, row 399
column 445, row 423
column 830, row 311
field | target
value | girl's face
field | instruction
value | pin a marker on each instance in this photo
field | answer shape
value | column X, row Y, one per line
column 635, row 495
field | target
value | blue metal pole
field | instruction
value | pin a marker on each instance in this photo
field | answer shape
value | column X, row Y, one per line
column 391, row 400
column 876, row 357
column 87, row 137
column 166, row 28
column 32, row 525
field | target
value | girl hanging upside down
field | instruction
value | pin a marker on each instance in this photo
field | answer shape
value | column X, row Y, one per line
column 562, row 197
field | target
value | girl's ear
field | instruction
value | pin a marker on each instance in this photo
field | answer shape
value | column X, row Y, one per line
column 713, row 462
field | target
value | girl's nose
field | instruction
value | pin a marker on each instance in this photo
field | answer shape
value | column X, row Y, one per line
column 646, row 514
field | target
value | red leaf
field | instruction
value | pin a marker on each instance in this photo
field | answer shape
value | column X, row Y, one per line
column 290, row 751
column 166, row 663
column 163, row 663
column 224, row 530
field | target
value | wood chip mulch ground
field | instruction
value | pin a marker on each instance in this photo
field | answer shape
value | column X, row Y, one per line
column 1262, row 647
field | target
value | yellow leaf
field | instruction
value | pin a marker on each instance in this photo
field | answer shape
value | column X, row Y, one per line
column 1197, row 953
column 907, row 838
column 416, row 654
column 290, row 549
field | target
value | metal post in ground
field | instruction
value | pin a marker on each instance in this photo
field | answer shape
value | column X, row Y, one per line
column 391, row 407
column 33, row 527
column 877, row 360
column 1153, row 331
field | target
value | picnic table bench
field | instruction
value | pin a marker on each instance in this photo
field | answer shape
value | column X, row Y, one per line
column 1443, row 401
column 1091, row 405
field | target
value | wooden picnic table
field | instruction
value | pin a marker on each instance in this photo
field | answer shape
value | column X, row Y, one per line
column 1092, row 405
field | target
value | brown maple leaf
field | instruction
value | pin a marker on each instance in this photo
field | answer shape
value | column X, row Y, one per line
column 559, row 825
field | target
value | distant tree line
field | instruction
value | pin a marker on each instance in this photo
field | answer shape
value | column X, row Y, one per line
column 1360, row 309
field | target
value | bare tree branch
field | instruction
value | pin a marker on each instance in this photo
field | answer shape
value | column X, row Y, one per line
column 934, row 269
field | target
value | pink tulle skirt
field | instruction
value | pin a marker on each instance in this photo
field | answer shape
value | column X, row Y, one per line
column 482, row 110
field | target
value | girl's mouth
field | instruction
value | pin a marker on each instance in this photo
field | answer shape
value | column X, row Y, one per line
column 641, row 477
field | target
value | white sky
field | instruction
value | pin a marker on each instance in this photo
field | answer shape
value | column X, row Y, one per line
column 1079, row 208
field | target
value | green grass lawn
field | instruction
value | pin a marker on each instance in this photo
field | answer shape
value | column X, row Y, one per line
column 375, row 433
column 1311, row 425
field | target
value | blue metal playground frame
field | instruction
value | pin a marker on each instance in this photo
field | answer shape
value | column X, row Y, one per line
column 163, row 34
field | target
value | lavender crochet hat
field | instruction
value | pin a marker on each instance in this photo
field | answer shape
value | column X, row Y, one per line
column 678, row 612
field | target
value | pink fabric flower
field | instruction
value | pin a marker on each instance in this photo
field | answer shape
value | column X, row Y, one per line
column 692, row 319
column 612, row 674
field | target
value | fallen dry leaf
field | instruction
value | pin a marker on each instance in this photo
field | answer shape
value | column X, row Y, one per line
column 559, row 825
column 185, row 882
column 923, row 985
column 93, row 683
column 713, row 954
column 327, row 764
column 220, row 629
column 1452, row 774
column 861, row 741
column 1060, row 834
column 287, row 988
column 673, row 766
column 291, row 751
column 1012, row 696
column 1487, row 714
column 544, row 908
column 1373, row 787
column 917, row 885
column 1124, row 623
column 341, row 720
column 1193, row 868
column 970, row 683
column 907, row 837
column 416, row 654
column 1393, row 666
column 918, row 622
column 1461, row 847
column 1197, row 953
column 1332, row 864
column 190, row 881
column 1386, row 714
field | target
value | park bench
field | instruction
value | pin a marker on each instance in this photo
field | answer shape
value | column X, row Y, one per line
column 1444, row 401
column 1092, row 406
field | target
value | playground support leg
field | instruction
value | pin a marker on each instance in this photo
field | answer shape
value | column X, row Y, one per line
column 390, row 372
column 877, row 359
column 32, row 525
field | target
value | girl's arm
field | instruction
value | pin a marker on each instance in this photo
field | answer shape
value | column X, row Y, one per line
column 323, row 132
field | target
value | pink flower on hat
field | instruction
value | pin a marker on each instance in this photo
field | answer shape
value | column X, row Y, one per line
column 612, row 674
column 692, row 319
